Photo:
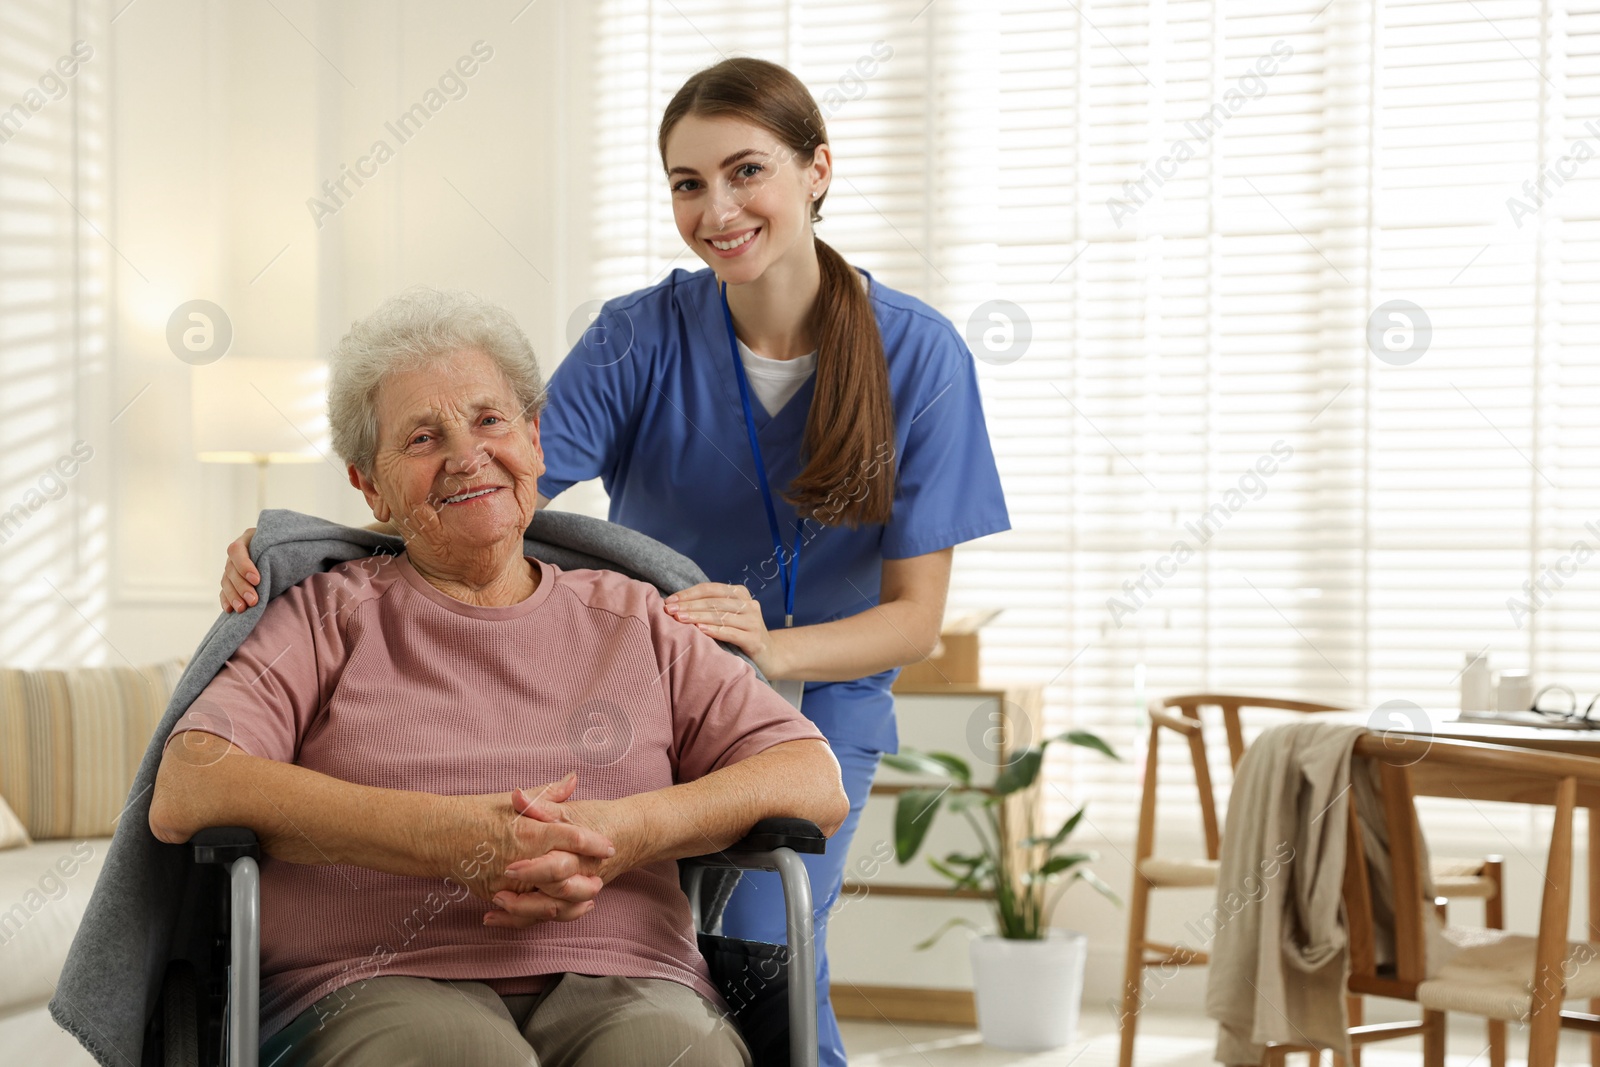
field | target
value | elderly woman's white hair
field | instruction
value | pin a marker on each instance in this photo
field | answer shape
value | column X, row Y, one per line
column 406, row 331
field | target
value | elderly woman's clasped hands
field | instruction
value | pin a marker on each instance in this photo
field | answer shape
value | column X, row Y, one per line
column 563, row 864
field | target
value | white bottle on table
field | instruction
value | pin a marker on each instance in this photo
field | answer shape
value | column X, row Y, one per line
column 1513, row 691
column 1476, row 688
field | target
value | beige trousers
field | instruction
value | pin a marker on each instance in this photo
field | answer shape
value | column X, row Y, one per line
column 578, row 1021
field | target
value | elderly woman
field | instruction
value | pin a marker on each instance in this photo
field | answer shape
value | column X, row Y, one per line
column 462, row 721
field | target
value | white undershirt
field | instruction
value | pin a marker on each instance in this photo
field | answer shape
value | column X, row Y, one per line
column 775, row 381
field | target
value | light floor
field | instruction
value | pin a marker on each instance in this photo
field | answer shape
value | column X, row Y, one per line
column 1164, row 1041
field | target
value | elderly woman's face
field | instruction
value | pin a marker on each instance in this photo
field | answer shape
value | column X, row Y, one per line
column 458, row 464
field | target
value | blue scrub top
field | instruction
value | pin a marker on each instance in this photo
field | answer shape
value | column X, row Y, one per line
column 648, row 402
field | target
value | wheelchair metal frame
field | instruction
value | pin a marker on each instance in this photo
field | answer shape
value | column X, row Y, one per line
column 772, row 845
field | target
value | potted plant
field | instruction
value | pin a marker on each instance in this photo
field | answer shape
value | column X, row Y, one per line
column 1027, row 979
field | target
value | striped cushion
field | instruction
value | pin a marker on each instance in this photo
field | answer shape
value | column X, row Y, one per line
column 70, row 742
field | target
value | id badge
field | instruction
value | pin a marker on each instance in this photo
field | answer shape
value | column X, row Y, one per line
column 790, row 689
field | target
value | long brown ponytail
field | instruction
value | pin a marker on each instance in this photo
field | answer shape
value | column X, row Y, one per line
column 848, row 448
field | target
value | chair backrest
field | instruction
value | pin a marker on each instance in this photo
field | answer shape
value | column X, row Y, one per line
column 1405, row 837
column 1189, row 726
column 1231, row 704
column 1518, row 775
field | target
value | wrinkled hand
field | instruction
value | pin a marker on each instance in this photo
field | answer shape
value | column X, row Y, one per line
column 576, row 880
column 608, row 818
column 557, row 860
column 239, row 576
column 726, row 613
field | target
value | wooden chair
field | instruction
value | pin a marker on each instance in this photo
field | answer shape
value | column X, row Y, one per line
column 1495, row 974
column 1452, row 878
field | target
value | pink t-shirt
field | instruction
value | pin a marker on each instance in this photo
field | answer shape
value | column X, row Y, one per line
column 369, row 674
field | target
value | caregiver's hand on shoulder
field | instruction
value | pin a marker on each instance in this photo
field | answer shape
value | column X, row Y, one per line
column 239, row 577
column 726, row 613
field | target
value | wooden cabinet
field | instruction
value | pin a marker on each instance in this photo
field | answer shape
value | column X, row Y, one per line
column 885, row 909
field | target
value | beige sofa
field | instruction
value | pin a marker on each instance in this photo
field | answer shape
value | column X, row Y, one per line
column 46, row 886
column 69, row 744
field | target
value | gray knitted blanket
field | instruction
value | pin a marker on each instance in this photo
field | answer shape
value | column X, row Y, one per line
column 114, row 969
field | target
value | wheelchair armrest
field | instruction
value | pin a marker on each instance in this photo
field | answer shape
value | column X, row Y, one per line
column 800, row 835
column 224, row 844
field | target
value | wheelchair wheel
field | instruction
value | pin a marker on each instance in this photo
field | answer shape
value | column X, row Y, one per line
column 180, row 1016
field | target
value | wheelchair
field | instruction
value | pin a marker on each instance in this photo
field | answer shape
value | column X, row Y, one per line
column 207, row 1014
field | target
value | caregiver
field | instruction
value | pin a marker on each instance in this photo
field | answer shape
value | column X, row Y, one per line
column 811, row 438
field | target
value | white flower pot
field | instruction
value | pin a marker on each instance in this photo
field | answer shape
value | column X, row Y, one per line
column 1028, row 992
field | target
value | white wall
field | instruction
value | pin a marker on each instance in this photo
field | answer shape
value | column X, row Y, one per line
column 227, row 119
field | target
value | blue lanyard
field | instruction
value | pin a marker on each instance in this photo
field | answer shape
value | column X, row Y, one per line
column 788, row 571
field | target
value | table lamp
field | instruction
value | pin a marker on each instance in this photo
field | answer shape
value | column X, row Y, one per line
column 260, row 411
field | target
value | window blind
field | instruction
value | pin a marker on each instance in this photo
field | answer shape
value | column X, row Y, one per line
column 1230, row 466
column 53, row 304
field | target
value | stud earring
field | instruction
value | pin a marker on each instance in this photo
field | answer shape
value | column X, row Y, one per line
column 815, row 193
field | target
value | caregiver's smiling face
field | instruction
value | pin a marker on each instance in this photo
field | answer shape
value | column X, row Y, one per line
column 740, row 197
column 457, row 464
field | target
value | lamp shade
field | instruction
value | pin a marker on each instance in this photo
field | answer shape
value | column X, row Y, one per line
column 260, row 410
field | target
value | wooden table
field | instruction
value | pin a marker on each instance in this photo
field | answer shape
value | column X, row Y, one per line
column 1452, row 783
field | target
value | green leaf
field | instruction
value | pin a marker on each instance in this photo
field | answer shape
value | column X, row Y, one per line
column 965, row 801
column 1085, row 739
column 983, row 870
column 965, row 860
column 971, row 878
column 1067, row 827
column 955, row 765
column 946, row 928
column 912, row 818
column 1057, row 864
column 1100, row 886
column 911, row 761
column 1020, row 774
column 1059, row 838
